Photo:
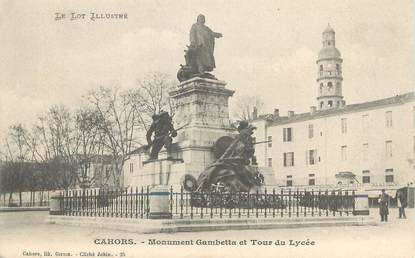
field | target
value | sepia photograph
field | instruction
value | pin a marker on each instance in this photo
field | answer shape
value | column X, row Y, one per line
column 207, row 129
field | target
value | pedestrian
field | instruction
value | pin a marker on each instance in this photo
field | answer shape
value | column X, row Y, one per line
column 383, row 206
column 401, row 203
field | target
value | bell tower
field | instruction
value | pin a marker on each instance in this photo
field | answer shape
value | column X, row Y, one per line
column 329, row 76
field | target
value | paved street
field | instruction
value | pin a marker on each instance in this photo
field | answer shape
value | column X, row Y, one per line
column 24, row 234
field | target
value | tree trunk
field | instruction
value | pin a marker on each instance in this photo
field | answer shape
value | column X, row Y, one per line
column 20, row 198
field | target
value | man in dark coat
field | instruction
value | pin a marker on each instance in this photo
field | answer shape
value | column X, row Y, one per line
column 383, row 206
column 401, row 202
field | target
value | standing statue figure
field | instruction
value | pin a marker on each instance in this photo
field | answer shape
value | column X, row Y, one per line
column 199, row 55
column 163, row 130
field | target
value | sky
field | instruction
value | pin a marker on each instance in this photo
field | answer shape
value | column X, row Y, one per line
column 269, row 48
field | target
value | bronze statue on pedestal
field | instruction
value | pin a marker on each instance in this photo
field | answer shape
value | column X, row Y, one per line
column 199, row 55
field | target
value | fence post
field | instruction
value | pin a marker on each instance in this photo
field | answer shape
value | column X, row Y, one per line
column 283, row 206
column 327, row 203
column 297, row 202
column 249, row 207
column 147, row 202
column 265, row 203
column 340, row 206
column 347, row 202
column 256, row 204
column 312, row 202
column 333, row 202
column 319, row 202
column 273, row 202
column 142, row 203
column 171, row 200
column 353, row 201
column 306, row 200
column 181, row 202
column 289, row 203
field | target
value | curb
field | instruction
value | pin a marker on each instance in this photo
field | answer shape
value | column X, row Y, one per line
column 147, row 226
column 20, row 209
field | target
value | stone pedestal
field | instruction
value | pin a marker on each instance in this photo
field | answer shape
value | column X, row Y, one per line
column 55, row 204
column 160, row 203
column 202, row 104
column 361, row 203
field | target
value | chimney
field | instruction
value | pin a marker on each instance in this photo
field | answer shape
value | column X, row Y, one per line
column 290, row 113
column 255, row 113
column 313, row 110
column 276, row 112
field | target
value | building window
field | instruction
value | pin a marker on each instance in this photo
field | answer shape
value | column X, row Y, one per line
column 365, row 177
column 310, row 131
column 330, row 103
column 344, row 152
column 288, row 159
column 338, row 88
column 389, row 178
column 287, row 134
column 311, row 181
column 311, row 157
column 344, row 125
column 269, row 162
column 269, row 141
column 388, row 149
column 365, row 151
column 289, row 181
column 321, row 88
column 131, row 167
column 389, row 175
column 330, row 86
column 321, row 104
column 337, row 67
column 388, row 115
column 321, row 68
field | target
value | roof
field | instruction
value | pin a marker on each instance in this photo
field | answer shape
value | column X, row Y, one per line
column 329, row 29
column 329, row 52
column 397, row 100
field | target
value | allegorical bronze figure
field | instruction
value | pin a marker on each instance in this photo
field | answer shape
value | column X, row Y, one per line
column 199, row 55
column 233, row 170
column 163, row 130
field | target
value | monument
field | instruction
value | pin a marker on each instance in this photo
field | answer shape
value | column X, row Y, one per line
column 201, row 112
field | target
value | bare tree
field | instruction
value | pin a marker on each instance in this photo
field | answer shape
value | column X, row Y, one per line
column 243, row 107
column 54, row 144
column 15, row 174
column 118, row 121
column 91, row 143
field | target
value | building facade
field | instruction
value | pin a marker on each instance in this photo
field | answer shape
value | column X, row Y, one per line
column 373, row 140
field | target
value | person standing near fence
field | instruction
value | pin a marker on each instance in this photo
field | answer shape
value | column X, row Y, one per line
column 401, row 203
column 383, row 206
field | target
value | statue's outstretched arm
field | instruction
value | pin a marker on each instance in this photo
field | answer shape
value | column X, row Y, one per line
column 217, row 35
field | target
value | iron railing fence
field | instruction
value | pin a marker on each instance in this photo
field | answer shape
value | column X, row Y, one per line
column 135, row 203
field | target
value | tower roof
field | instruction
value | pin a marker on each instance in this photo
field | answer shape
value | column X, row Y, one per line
column 329, row 52
column 329, row 29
